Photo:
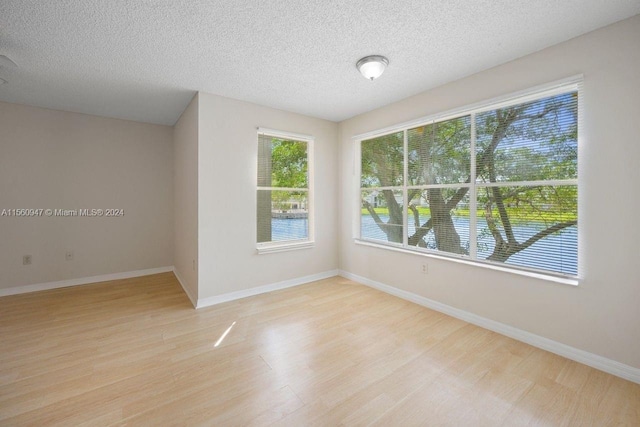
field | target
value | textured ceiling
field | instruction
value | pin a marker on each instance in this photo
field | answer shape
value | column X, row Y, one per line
column 142, row 60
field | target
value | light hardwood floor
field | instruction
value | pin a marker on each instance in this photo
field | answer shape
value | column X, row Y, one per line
column 333, row 352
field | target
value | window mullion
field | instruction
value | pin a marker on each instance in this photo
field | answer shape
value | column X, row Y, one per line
column 473, row 219
column 405, row 192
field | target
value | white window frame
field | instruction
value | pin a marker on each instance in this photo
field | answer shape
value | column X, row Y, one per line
column 574, row 83
column 289, row 245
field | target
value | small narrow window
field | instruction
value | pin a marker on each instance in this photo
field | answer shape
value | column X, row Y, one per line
column 284, row 192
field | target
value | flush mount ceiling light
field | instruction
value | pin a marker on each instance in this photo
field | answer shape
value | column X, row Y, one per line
column 372, row 66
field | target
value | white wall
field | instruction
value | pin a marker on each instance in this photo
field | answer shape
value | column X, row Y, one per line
column 185, row 189
column 53, row 159
column 227, row 168
column 601, row 315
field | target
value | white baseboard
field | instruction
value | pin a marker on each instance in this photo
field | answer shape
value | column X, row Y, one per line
column 595, row 361
column 218, row 299
column 194, row 301
column 82, row 281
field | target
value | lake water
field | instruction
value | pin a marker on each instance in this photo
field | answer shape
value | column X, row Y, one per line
column 558, row 252
column 289, row 229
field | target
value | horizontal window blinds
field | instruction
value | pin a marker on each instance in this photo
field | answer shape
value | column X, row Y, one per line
column 496, row 185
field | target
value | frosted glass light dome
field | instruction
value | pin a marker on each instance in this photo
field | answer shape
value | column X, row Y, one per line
column 372, row 66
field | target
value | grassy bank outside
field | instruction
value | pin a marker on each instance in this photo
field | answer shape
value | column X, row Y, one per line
column 516, row 215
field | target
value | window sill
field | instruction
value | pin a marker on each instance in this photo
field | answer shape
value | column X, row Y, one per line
column 549, row 278
column 268, row 248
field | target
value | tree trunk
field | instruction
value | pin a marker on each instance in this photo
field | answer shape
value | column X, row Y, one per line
column 393, row 228
column 447, row 238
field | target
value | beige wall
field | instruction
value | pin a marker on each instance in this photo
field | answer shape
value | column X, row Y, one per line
column 185, row 188
column 227, row 197
column 53, row 159
column 601, row 315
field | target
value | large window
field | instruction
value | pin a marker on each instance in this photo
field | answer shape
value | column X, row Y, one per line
column 496, row 184
column 284, row 197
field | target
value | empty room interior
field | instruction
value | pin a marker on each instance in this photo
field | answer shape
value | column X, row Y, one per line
column 288, row 213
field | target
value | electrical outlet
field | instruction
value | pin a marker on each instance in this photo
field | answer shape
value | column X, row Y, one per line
column 68, row 255
column 425, row 268
column 26, row 260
